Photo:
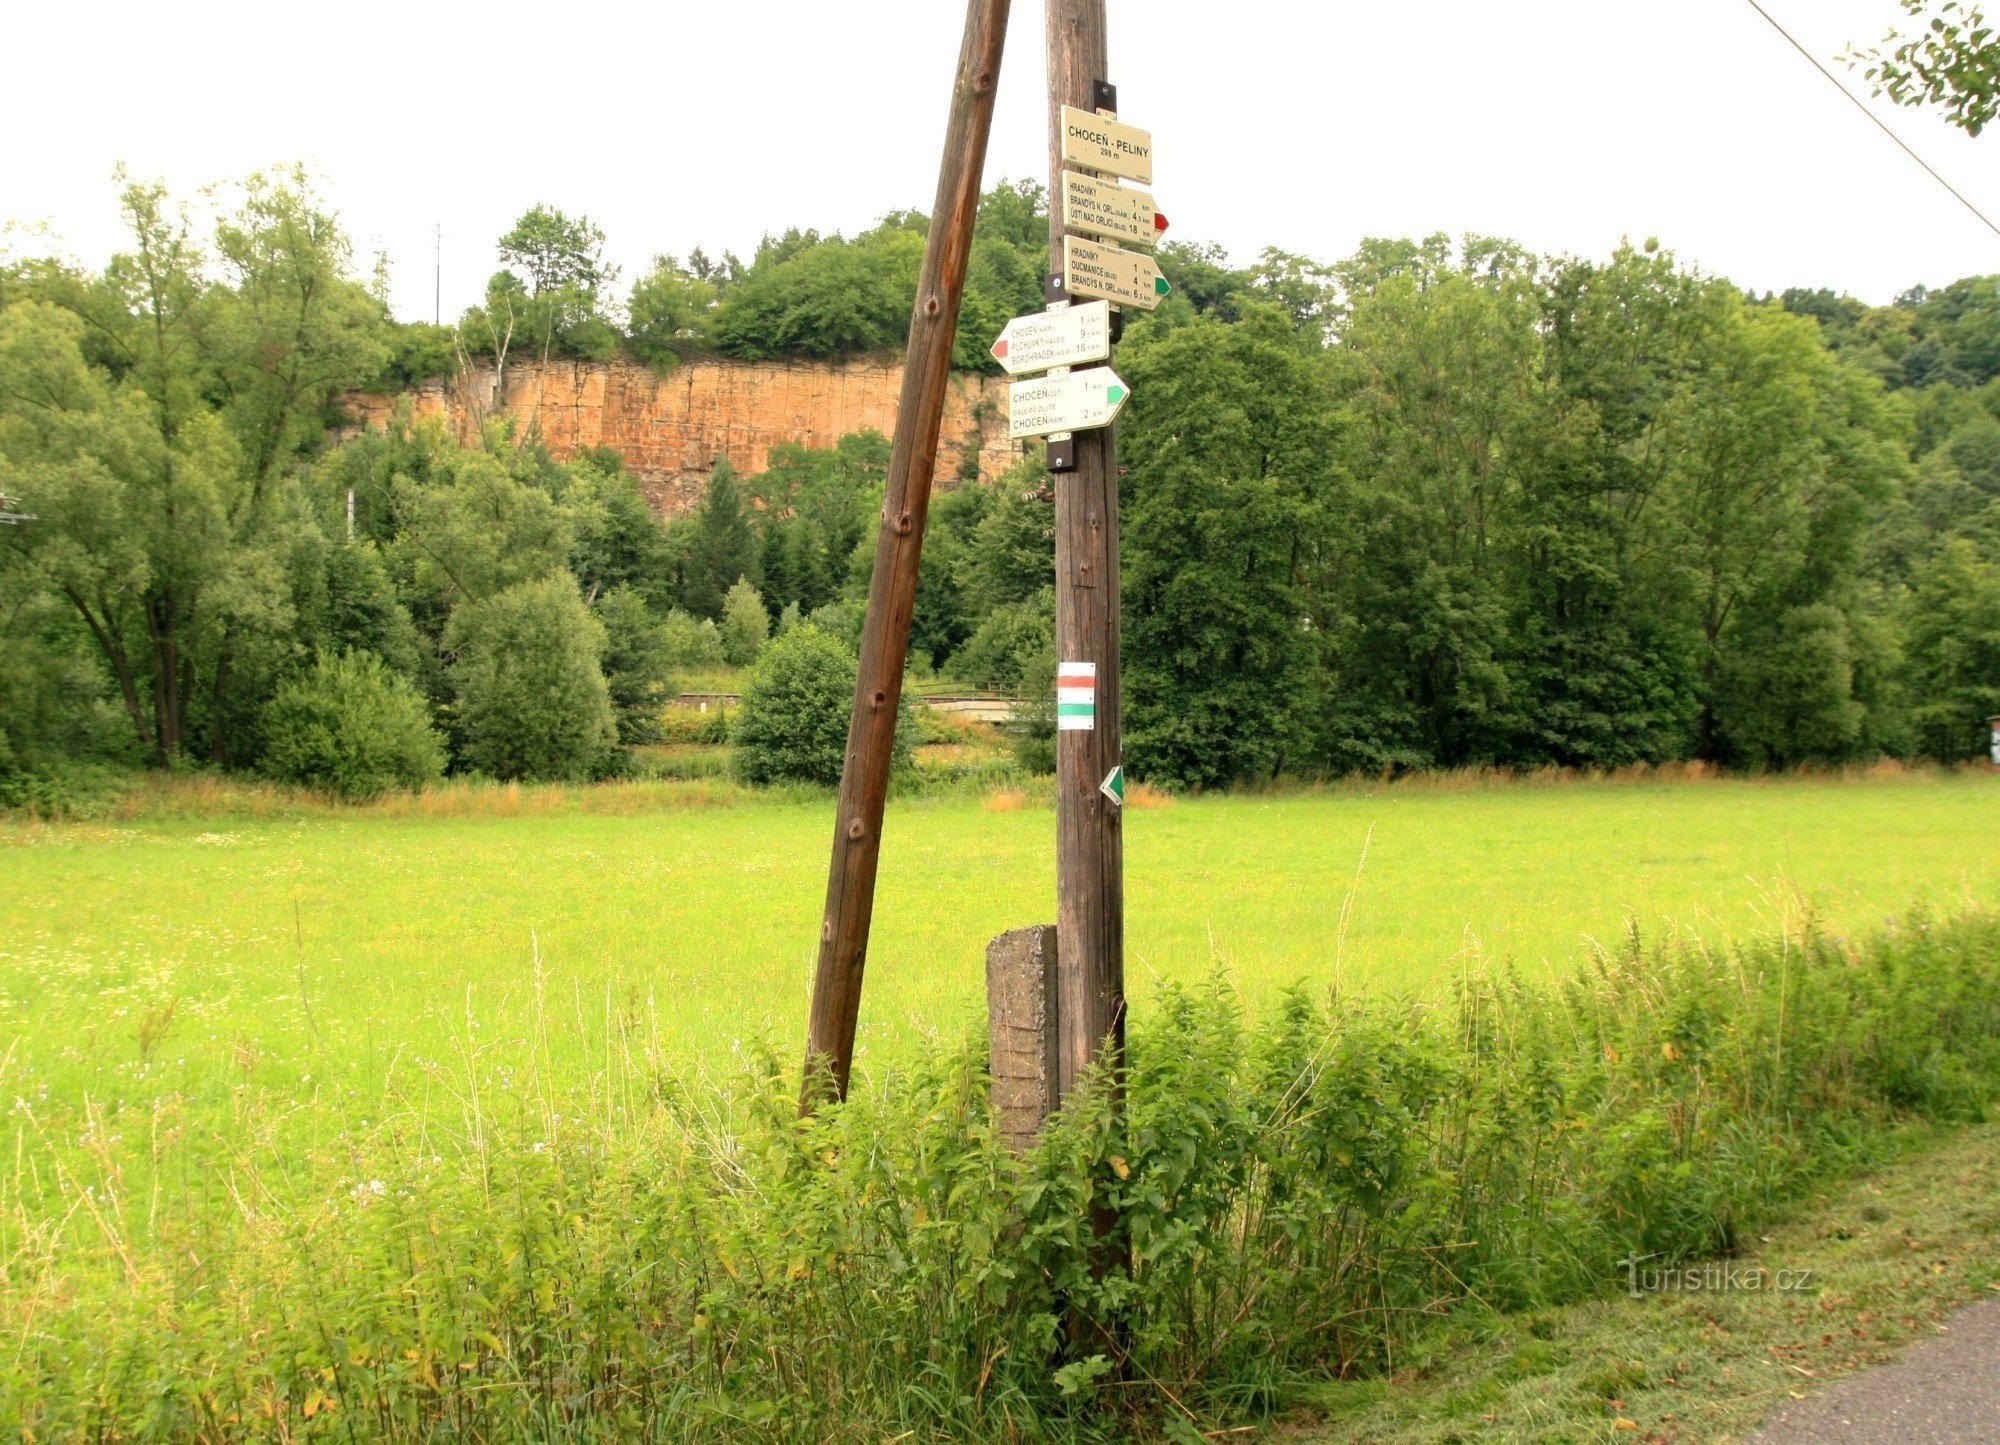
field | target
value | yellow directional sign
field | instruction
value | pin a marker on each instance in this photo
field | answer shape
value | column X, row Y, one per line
column 1127, row 277
column 1097, row 144
column 1116, row 213
column 1068, row 337
column 1067, row 401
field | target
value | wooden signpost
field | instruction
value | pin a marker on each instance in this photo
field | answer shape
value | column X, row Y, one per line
column 1067, row 401
column 1083, row 1007
column 1090, row 277
column 1111, row 213
column 1128, row 277
column 1090, row 839
column 1090, row 846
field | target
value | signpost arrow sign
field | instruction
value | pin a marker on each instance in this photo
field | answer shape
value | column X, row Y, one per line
column 1113, row 787
column 1127, row 277
column 1068, row 337
column 1098, row 144
column 1098, row 208
column 1073, row 401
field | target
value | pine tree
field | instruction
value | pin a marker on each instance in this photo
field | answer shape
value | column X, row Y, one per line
column 722, row 547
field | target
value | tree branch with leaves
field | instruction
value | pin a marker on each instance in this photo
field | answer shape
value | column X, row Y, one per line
column 1952, row 61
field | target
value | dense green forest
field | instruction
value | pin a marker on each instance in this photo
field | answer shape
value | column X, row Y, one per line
column 1433, row 505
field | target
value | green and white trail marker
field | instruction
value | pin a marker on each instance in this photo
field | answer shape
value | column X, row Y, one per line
column 1113, row 786
column 1076, row 697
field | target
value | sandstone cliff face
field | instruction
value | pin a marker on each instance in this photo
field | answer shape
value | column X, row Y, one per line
column 671, row 429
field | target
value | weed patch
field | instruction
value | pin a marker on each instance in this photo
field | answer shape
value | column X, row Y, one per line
column 645, row 1254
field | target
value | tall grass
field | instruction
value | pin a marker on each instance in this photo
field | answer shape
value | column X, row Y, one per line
column 170, row 796
column 646, row 1254
column 661, row 778
column 696, row 771
column 1483, row 776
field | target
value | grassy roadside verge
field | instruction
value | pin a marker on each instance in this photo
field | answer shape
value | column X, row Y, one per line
column 1891, row 1255
column 504, row 1251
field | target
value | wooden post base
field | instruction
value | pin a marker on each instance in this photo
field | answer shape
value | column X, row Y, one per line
column 1021, row 1032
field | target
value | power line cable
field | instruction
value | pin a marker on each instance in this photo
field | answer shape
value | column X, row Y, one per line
column 1879, row 123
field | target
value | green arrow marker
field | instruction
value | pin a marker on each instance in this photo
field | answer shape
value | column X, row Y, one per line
column 1115, row 394
column 1161, row 286
column 1113, row 787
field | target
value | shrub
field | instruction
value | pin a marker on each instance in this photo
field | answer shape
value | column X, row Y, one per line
column 1034, row 731
column 792, row 726
column 746, row 625
column 832, row 298
column 669, row 313
column 418, row 351
column 638, row 667
column 699, row 724
column 59, row 789
column 532, row 699
column 844, row 619
column 1954, row 652
column 351, row 727
column 692, row 644
column 1004, row 646
column 1791, row 691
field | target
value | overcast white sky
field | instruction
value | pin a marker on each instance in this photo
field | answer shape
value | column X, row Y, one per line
column 1565, row 124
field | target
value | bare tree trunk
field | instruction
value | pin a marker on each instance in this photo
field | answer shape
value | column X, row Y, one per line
column 105, row 630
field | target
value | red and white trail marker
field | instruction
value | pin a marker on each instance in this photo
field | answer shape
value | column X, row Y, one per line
column 1076, row 697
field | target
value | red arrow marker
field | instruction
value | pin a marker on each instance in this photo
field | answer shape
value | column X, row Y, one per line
column 1159, row 221
column 1000, row 349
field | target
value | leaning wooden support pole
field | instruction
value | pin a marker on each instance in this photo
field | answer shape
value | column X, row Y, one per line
column 892, row 591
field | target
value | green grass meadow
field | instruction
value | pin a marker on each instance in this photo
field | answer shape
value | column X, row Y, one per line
column 325, row 944
column 233, row 1024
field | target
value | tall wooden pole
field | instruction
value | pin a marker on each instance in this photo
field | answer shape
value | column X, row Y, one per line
column 892, row 590
column 1090, row 847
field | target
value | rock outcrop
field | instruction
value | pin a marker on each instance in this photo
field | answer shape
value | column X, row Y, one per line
column 670, row 429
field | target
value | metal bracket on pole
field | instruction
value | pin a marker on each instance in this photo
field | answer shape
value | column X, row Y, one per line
column 1061, row 447
column 1104, row 96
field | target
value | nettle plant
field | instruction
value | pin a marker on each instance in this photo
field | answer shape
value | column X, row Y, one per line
column 651, row 1255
